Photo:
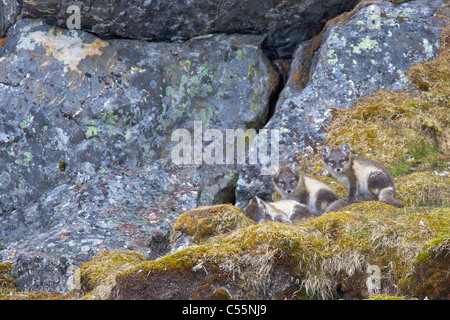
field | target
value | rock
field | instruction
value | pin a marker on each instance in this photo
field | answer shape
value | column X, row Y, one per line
column 7, row 282
column 284, row 23
column 321, row 257
column 85, row 136
column 354, row 60
column 424, row 189
column 430, row 276
column 9, row 10
column 90, row 118
column 68, row 225
column 196, row 226
column 97, row 277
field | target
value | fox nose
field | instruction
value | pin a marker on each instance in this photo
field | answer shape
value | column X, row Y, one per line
column 338, row 169
column 289, row 191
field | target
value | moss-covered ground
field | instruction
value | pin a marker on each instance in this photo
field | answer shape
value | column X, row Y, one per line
column 334, row 255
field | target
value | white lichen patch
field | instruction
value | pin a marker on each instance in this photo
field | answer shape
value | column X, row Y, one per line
column 428, row 49
column 69, row 49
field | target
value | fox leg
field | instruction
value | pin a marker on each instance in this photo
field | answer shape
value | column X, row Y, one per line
column 387, row 196
column 300, row 212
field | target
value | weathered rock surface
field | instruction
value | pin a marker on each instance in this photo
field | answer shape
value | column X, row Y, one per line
column 85, row 136
column 9, row 10
column 354, row 60
column 284, row 23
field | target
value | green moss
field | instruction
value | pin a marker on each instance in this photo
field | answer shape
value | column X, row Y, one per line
column 309, row 259
column 110, row 118
column 205, row 222
column 62, row 166
column 239, row 54
column 91, row 132
column 365, row 44
column 385, row 297
column 429, row 277
column 97, row 276
column 7, row 281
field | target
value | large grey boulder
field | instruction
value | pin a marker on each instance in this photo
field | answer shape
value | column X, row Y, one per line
column 9, row 10
column 285, row 23
column 73, row 105
column 357, row 57
column 122, row 209
column 85, row 140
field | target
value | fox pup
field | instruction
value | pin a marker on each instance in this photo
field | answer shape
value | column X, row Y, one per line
column 281, row 211
column 315, row 194
column 365, row 178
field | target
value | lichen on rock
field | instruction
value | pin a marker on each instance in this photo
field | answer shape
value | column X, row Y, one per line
column 317, row 258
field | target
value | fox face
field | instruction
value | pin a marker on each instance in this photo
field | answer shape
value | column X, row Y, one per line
column 256, row 210
column 286, row 179
column 336, row 159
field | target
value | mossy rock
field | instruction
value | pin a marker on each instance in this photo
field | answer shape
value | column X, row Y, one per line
column 321, row 257
column 430, row 277
column 424, row 189
column 405, row 131
column 372, row 207
column 97, row 276
column 385, row 297
column 7, row 282
column 243, row 262
column 9, row 289
column 198, row 225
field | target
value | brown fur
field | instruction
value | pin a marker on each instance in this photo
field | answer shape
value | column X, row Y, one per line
column 306, row 190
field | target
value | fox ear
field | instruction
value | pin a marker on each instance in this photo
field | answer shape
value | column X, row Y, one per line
column 345, row 148
column 275, row 170
column 326, row 151
column 294, row 167
column 258, row 200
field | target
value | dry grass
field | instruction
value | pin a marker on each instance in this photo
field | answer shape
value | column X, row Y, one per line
column 424, row 189
column 97, row 277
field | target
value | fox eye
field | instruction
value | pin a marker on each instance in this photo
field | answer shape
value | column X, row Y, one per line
column 293, row 181
column 282, row 182
column 331, row 161
column 341, row 161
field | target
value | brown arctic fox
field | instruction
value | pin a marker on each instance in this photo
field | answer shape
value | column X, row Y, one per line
column 365, row 178
column 281, row 211
column 313, row 193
